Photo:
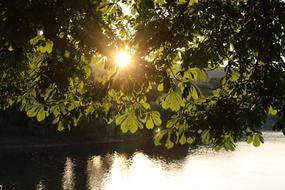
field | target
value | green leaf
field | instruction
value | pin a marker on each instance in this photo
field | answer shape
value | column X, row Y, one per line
column 133, row 10
column 248, row 130
column 145, row 104
column 109, row 8
column 182, row 139
column 60, row 126
column 49, row 46
column 56, row 120
column 229, row 146
column 113, row 8
column 172, row 100
column 23, row 105
column 169, row 144
column 179, row 2
column 55, row 111
column 190, row 140
column 48, row 93
column 235, row 77
column 249, row 139
column 155, row 115
column 203, row 75
column 66, row 54
column 205, row 136
column 33, row 111
column 41, row 114
column 195, row 92
column 120, row 119
column 71, row 106
column 61, row 35
column 158, row 136
column 272, row 111
column 10, row 48
column 160, row 87
column 62, row 109
column 129, row 122
column 192, row 73
column 75, row 121
column 257, row 139
column 149, row 123
column 153, row 118
column 36, row 39
column 172, row 122
column 192, row 2
column 217, row 147
column 160, row 2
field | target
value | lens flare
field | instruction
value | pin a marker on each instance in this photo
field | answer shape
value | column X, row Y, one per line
column 123, row 58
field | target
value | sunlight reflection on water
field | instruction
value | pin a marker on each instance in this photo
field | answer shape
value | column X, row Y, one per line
column 39, row 186
column 246, row 168
column 68, row 179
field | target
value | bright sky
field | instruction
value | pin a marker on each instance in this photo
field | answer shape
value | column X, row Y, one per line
column 126, row 10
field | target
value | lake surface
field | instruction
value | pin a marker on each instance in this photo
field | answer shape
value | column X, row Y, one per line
column 93, row 169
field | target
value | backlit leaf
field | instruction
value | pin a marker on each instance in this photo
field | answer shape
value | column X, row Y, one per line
column 182, row 139
column 272, row 111
column 153, row 118
column 257, row 139
column 172, row 100
column 60, row 126
column 160, row 2
column 41, row 114
column 129, row 122
column 190, row 140
column 160, row 87
column 195, row 92
column 169, row 144
column 158, row 136
column 32, row 112
column 249, row 139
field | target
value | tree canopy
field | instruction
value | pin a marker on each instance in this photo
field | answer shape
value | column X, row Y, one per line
column 57, row 64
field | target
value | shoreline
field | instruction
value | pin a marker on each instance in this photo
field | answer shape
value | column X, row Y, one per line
column 24, row 144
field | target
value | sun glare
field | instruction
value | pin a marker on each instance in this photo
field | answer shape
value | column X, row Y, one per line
column 123, row 58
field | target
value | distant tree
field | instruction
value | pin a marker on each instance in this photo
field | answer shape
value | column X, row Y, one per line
column 57, row 62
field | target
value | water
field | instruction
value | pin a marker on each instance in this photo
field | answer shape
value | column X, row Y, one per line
column 246, row 168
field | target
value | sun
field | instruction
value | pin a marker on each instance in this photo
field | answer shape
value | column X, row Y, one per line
column 123, row 58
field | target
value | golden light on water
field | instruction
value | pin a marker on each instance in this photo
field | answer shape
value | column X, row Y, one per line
column 123, row 58
column 246, row 168
column 68, row 178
